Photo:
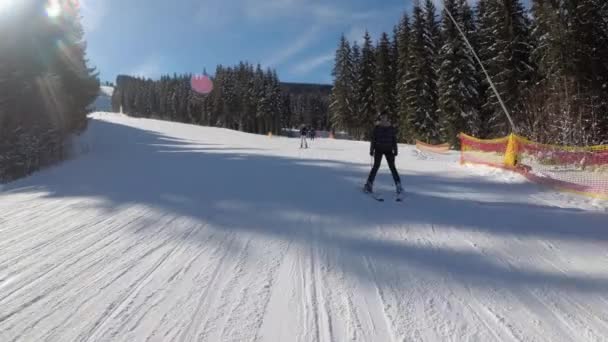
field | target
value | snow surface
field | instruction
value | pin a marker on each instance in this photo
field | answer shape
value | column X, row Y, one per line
column 171, row 232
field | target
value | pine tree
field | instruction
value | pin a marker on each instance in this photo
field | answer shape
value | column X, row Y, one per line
column 79, row 82
column 469, row 26
column 421, row 77
column 243, row 98
column 433, row 34
column 341, row 108
column 432, row 46
column 45, row 84
column 365, row 88
column 505, row 47
column 383, row 80
column 273, row 92
column 353, row 84
column 286, row 111
column 394, row 76
column 402, row 65
column 601, row 65
column 549, row 35
column 413, row 76
column 589, row 45
column 570, row 40
column 457, row 76
column 259, row 88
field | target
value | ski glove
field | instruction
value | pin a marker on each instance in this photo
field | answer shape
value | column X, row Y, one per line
column 371, row 153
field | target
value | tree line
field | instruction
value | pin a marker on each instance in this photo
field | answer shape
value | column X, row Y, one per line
column 244, row 98
column 45, row 84
column 549, row 65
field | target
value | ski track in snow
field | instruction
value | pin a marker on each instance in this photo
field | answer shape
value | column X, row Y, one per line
column 171, row 232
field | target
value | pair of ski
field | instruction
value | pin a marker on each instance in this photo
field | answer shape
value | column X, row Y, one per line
column 379, row 198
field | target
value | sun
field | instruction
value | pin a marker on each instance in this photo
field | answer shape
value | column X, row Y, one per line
column 53, row 8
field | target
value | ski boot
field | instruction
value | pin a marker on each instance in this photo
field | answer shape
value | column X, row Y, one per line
column 368, row 188
column 398, row 188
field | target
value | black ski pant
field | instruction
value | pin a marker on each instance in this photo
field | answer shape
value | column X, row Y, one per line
column 390, row 159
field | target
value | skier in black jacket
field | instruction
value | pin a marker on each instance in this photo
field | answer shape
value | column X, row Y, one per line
column 303, row 134
column 383, row 143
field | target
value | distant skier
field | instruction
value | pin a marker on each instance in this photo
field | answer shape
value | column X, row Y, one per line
column 383, row 143
column 303, row 134
column 313, row 134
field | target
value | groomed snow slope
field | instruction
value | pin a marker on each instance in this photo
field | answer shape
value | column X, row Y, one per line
column 170, row 232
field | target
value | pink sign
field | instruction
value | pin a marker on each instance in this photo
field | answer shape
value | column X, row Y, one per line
column 201, row 84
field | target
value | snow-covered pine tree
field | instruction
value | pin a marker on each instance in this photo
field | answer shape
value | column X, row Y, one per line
column 432, row 42
column 590, row 61
column 570, row 40
column 241, row 90
column 286, row 112
column 469, row 26
column 365, row 89
column 457, row 77
column 383, row 83
column 413, row 76
column 394, row 76
column 250, row 101
column 261, row 105
column 274, row 96
column 483, row 35
column 602, row 50
column 548, row 32
column 353, row 84
column 505, row 46
column 341, row 108
column 421, row 76
column 403, row 45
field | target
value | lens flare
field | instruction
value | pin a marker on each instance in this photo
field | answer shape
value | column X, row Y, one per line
column 201, row 84
column 53, row 8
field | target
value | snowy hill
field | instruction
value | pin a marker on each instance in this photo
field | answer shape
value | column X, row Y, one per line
column 171, row 232
column 103, row 103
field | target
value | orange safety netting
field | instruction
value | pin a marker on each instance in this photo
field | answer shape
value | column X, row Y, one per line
column 424, row 147
column 578, row 169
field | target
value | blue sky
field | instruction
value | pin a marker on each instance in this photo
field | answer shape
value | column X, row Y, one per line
column 297, row 37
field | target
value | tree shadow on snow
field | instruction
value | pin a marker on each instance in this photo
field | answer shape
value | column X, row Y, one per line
column 318, row 201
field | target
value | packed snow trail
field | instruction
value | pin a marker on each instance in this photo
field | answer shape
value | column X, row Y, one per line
column 171, row 232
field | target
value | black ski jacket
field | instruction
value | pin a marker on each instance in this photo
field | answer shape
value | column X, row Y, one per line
column 384, row 139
